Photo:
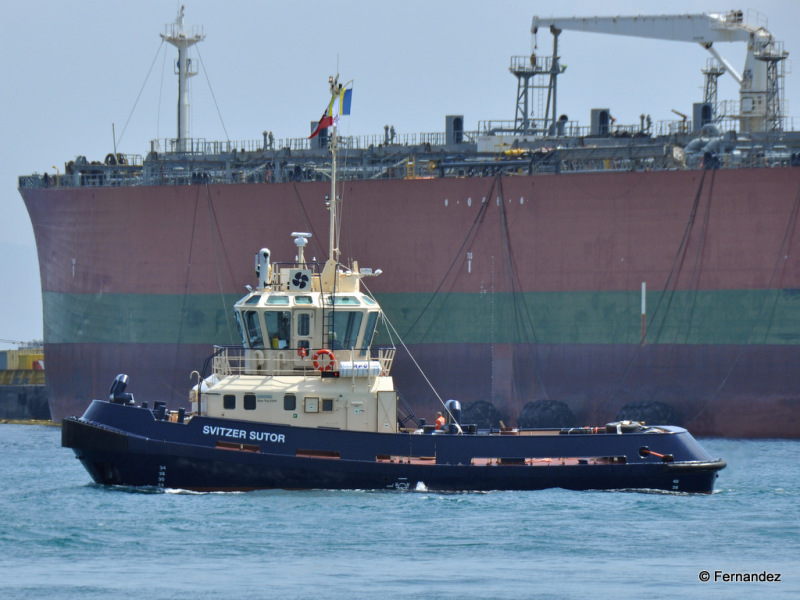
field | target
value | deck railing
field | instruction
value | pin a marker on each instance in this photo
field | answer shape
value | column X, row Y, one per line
column 236, row 360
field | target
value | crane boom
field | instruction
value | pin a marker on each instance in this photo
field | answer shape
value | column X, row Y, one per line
column 758, row 86
column 703, row 28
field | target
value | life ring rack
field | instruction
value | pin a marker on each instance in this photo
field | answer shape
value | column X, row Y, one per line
column 319, row 364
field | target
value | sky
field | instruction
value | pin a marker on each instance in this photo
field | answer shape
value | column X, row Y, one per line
column 79, row 76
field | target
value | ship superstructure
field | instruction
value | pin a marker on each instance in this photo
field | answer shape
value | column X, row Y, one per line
column 307, row 334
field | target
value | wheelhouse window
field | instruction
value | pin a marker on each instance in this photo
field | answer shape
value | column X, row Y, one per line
column 304, row 324
column 369, row 332
column 343, row 300
column 345, row 326
column 290, row 402
column 279, row 327
column 229, row 401
column 249, row 401
column 240, row 327
column 253, row 329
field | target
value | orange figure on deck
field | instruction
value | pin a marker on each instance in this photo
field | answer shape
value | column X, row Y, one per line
column 439, row 420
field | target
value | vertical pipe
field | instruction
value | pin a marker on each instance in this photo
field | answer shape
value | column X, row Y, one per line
column 333, row 251
column 554, row 74
column 183, row 94
column 644, row 313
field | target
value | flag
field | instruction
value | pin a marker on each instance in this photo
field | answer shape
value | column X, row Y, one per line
column 345, row 97
column 339, row 106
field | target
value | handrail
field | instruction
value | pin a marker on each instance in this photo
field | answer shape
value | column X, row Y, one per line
column 237, row 360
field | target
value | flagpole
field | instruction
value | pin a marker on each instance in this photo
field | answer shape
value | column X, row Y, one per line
column 334, row 252
column 339, row 105
column 328, row 276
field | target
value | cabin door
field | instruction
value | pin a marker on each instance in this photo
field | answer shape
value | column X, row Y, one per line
column 387, row 411
column 357, row 415
column 303, row 334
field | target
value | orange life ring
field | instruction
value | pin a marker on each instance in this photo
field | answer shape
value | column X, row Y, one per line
column 327, row 366
column 302, row 352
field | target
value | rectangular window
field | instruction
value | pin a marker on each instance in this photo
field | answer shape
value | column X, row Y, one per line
column 279, row 328
column 249, row 401
column 304, row 324
column 290, row 402
column 253, row 326
column 327, row 405
column 240, row 327
column 342, row 300
column 229, row 401
column 346, row 325
column 369, row 330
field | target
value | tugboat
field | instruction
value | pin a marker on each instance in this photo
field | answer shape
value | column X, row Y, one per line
column 307, row 402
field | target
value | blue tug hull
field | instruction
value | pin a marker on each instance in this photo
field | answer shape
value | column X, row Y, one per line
column 128, row 445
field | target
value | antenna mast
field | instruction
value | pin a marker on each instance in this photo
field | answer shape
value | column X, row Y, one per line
column 334, row 251
column 176, row 35
column 329, row 271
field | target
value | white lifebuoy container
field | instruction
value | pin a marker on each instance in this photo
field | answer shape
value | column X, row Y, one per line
column 259, row 361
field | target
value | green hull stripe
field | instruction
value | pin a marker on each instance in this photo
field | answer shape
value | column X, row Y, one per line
column 703, row 317
column 139, row 319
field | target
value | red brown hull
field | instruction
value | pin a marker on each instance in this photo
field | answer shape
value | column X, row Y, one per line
column 530, row 288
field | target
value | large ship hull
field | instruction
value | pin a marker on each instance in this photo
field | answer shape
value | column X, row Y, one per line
column 532, row 288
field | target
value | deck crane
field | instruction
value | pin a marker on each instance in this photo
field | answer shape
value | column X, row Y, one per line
column 760, row 106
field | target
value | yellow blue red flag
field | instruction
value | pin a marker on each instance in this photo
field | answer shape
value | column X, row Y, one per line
column 339, row 106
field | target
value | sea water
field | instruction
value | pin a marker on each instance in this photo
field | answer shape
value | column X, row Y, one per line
column 62, row 536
